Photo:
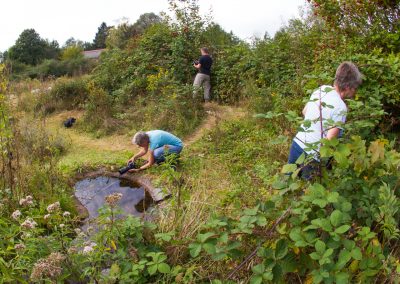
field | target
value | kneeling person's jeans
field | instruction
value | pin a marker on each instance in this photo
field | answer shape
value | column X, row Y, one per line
column 161, row 152
column 294, row 154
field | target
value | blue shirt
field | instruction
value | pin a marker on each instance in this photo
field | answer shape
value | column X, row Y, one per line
column 159, row 138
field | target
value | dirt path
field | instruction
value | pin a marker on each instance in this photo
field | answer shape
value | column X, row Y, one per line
column 215, row 114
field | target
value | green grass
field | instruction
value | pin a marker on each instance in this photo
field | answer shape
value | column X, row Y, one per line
column 85, row 158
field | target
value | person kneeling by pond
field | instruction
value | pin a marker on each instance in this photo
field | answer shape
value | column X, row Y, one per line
column 161, row 143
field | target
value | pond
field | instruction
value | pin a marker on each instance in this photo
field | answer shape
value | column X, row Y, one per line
column 91, row 193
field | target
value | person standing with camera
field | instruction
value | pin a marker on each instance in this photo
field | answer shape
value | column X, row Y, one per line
column 203, row 65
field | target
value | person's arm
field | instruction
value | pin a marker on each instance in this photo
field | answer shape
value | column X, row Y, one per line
column 332, row 133
column 141, row 153
column 198, row 65
column 304, row 111
column 149, row 163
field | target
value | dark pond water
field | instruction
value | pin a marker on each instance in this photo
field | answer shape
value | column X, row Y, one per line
column 91, row 193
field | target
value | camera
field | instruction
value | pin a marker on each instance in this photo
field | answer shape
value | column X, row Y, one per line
column 130, row 166
column 195, row 62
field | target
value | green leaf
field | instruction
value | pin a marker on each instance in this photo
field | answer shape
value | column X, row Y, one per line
column 300, row 160
column 346, row 206
column 265, row 253
column 377, row 150
column 281, row 249
column 289, row 263
column 333, row 197
column 342, row 229
column 315, row 256
column 115, row 270
column 256, row 279
column 223, row 238
column 320, row 247
column 328, row 253
column 261, row 221
column 341, row 154
column 344, row 257
column 152, row 269
column 219, row 256
column 258, row 269
column 342, row 278
column 203, row 237
column 251, row 211
column 209, row 248
column 289, row 168
column 195, row 249
column 356, row 253
column 349, row 244
column 164, row 268
column 268, row 276
column 320, row 202
column 336, row 218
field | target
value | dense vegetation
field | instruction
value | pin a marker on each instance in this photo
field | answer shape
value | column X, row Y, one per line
column 236, row 215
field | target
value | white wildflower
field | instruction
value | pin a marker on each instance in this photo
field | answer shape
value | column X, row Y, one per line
column 81, row 235
column 66, row 214
column 47, row 216
column 62, row 226
column 16, row 214
column 87, row 249
column 53, row 207
column 19, row 247
column 29, row 224
column 49, row 267
column 27, row 201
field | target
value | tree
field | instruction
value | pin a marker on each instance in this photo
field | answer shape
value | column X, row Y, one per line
column 145, row 21
column 376, row 21
column 72, row 52
column 29, row 48
column 101, row 36
column 52, row 49
column 119, row 36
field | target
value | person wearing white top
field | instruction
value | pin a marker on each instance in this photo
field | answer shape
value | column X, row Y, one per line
column 325, row 113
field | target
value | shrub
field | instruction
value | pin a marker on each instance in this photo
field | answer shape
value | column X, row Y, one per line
column 99, row 111
column 69, row 93
column 48, row 68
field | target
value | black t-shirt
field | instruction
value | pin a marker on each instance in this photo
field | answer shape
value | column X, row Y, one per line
column 206, row 62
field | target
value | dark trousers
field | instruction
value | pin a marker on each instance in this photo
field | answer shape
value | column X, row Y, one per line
column 307, row 169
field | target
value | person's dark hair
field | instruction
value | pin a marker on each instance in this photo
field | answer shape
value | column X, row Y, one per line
column 205, row 50
column 347, row 76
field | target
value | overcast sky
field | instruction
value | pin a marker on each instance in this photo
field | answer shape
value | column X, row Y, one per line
column 60, row 20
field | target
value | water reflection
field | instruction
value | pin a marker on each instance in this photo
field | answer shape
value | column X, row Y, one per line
column 91, row 193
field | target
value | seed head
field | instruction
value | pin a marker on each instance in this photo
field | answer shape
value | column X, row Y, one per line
column 113, row 199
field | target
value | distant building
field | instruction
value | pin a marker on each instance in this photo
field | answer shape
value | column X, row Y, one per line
column 93, row 54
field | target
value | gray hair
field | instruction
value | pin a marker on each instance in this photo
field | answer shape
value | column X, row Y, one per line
column 347, row 76
column 140, row 137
